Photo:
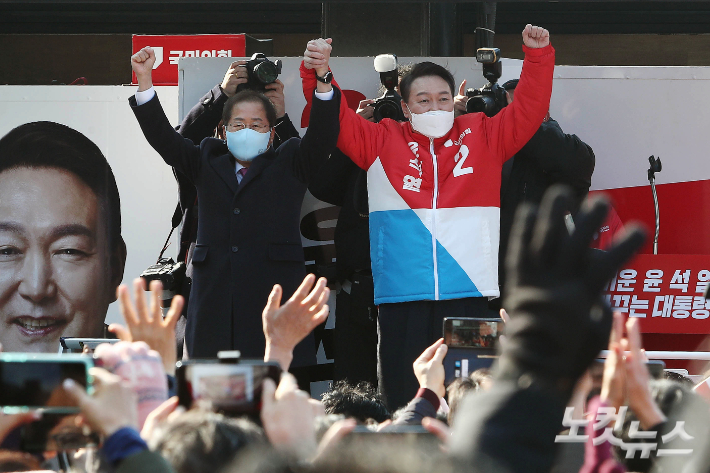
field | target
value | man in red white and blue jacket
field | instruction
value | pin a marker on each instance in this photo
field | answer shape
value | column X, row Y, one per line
column 434, row 197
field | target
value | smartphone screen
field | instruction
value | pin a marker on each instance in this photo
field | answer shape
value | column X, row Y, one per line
column 79, row 345
column 29, row 383
column 233, row 388
column 472, row 333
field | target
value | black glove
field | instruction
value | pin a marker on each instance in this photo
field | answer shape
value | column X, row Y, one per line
column 559, row 321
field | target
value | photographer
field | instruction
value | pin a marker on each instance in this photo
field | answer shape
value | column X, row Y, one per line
column 249, row 198
column 434, row 195
column 550, row 157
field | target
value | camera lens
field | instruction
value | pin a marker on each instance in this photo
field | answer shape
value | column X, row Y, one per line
column 266, row 72
column 482, row 103
column 387, row 109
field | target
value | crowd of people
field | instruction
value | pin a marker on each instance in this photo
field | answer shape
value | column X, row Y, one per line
column 427, row 206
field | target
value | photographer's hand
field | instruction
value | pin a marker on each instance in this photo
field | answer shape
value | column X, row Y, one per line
column 461, row 100
column 535, row 36
column 275, row 93
column 366, row 110
column 142, row 63
column 286, row 325
column 147, row 324
column 235, row 75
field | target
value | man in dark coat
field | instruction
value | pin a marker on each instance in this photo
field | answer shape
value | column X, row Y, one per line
column 200, row 123
column 249, row 199
column 550, row 157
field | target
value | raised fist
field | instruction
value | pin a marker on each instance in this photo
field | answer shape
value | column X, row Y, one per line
column 317, row 55
column 535, row 36
column 142, row 62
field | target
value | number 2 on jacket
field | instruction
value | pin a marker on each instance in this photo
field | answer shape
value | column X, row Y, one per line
column 460, row 158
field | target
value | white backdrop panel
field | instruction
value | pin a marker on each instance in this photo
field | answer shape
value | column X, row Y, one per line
column 624, row 113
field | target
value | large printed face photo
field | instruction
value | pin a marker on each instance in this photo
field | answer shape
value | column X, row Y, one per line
column 61, row 253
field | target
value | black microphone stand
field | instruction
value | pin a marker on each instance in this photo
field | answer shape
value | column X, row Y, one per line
column 656, row 166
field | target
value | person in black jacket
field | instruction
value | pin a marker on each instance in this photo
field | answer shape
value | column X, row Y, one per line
column 202, row 122
column 550, row 157
column 249, row 199
column 340, row 182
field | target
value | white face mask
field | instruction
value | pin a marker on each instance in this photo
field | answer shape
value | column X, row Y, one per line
column 433, row 124
column 247, row 144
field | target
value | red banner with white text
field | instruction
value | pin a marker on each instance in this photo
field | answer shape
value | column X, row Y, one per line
column 170, row 48
column 665, row 292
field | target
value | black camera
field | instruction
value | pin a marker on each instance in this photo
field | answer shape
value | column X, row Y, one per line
column 167, row 271
column 489, row 99
column 260, row 72
column 390, row 104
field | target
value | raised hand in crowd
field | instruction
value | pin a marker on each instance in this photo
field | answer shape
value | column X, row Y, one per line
column 288, row 416
column 429, row 368
column 113, row 405
column 638, row 391
column 234, row 77
column 366, row 110
column 142, row 370
column 286, row 325
column 614, row 379
column 163, row 413
column 145, row 322
column 535, row 36
column 559, row 323
column 556, row 283
column 142, row 64
column 275, row 93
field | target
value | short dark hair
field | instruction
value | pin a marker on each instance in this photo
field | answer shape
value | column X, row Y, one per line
column 200, row 441
column 361, row 401
column 511, row 84
column 460, row 387
column 424, row 69
column 253, row 96
column 53, row 145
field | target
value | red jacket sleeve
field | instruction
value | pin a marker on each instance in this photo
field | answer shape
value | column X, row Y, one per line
column 509, row 130
column 359, row 139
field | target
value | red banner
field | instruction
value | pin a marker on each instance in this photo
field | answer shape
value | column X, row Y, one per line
column 665, row 292
column 169, row 49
